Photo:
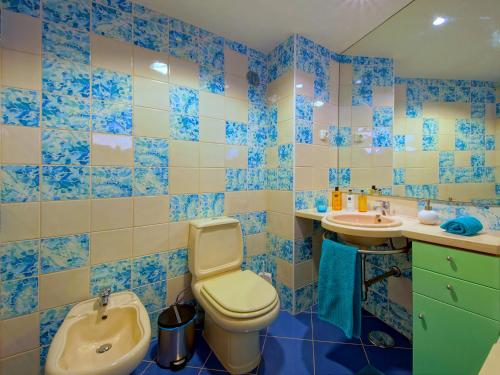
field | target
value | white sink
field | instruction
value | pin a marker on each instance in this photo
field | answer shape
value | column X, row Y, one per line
column 79, row 346
column 363, row 229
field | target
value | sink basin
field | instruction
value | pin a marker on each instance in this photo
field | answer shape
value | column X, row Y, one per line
column 95, row 340
column 363, row 229
column 366, row 221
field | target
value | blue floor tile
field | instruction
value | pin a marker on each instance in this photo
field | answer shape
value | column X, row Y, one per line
column 154, row 369
column 140, row 369
column 287, row 356
column 336, row 358
column 201, row 351
column 292, row 326
column 213, row 362
column 214, row 372
column 370, row 324
column 324, row 331
column 390, row 361
column 151, row 354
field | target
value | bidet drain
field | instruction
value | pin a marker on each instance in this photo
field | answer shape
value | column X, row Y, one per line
column 103, row 348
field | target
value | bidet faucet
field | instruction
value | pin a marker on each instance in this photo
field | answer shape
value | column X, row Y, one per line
column 104, row 297
column 383, row 206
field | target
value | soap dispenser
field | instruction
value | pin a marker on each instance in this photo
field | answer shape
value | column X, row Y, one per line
column 428, row 216
column 350, row 201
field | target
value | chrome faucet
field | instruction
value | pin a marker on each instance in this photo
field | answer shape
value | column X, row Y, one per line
column 104, row 297
column 383, row 206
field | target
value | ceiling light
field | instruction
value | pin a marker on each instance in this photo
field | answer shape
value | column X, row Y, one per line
column 299, row 85
column 318, row 103
column 438, row 21
column 160, row 67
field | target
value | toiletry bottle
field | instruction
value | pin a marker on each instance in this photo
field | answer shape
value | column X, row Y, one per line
column 428, row 215
column 336, row 199
column 350, row 201
column 373, row 190
column 362, row 202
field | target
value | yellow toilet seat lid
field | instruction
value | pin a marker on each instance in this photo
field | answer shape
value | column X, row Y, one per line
column 240, row 292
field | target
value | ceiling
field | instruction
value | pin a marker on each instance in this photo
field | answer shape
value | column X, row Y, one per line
column 467, row 46
column 262, row 24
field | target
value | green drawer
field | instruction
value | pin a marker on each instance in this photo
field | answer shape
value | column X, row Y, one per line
column 474, row 267
column 476, row 298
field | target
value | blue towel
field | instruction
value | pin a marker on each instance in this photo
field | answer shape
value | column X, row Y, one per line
column 464, row 225
column 339, row 287
column 369, row 370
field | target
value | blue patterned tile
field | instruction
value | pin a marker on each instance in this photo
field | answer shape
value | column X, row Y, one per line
column 28, row 7
column 111, row 182
column 146, row 270
column 19, row 183
column 150, row 152
column 362, row 95
column 65, row 43
column 19, row 260
column 236, row 46
column 333, row 178
column 211, row 80
column 286, row 297
column 61, row 182
column 150, row 181
column 50, row 321
column 256, row 157
column 184, row 207
column 63, row 253
column 446, row 159
column 447, row 175
column 236, row 179
column 236, row 133
column 149, row 14
column 303, row 108
column 303, row 249
column 255, row 222
column 344, row 137
column 64, row 77
column 152, row 296
column 284, row 249
column 151, row 35
column 65, row 147
column 183, row 27
column 490, row 142
column 382, row 116
column 124, row 5
column 285, row 179
column 463, row 174
column 344, row 177
column 184, row 100
column 183, row 45
column 211, row 204
column 382, row 137
column 256, row 179
column 285, row 155
column 109, row 85
column 304, row 298
column 184, row 128
column 111, row 23
column 113, row 117
column 430, row 126
column 399, row 143
column 398, row 176
column 430, row 142
column 72, row 13
column 258, row 263
column 212, row 55
column 20, row 107
column 478, row 158
column 18, row 297
column 64, row 112
column 176, row 262
column 116, row 276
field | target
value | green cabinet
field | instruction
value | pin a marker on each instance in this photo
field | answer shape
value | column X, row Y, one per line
column 456, row 309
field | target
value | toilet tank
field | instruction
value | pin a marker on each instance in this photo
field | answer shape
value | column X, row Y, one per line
column 215, row 246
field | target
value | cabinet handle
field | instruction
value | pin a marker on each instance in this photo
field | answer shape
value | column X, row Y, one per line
column 449, row 287
column 421, row 316
column 449, row 258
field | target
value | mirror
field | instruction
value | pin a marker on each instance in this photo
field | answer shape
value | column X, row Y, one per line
column 423, row 105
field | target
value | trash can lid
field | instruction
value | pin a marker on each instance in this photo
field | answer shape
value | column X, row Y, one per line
column 176, row 316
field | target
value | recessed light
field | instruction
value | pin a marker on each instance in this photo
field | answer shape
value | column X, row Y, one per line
column 438, row 21
column 159, row 67
column 299, row 85
column 318, row 103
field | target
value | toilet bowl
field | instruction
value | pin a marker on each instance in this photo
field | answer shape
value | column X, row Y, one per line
column 237, row 304
column 101, row 340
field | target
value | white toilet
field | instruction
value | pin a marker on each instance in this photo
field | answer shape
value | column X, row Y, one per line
column 237, row 303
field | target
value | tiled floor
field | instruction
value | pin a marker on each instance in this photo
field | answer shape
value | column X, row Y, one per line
column 304, row 344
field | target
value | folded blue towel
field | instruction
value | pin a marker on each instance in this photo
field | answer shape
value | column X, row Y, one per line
column 464, row 225
column 339, row 287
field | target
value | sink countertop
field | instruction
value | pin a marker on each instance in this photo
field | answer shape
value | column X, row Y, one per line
column 487, row 242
